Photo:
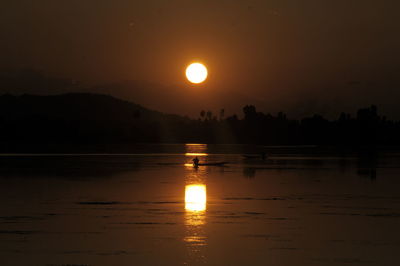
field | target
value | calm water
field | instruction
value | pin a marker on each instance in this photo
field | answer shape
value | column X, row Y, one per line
column 150, row 208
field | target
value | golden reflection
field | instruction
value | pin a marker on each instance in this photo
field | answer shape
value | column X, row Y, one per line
column 195, row 204
column 196, row 154
column 195, row 198
column 196, row 149
column 195, row 219
column 195, row 209
column 195, row 240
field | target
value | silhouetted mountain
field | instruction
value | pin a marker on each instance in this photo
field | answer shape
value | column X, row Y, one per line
column 83, row 122
column 150, row 94
column 71, row 106
column 31, row 122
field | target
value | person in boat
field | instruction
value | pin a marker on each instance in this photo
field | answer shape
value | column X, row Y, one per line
column 195, row 162
column 263, row 156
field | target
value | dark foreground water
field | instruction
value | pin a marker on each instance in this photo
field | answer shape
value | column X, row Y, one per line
column 151, row 209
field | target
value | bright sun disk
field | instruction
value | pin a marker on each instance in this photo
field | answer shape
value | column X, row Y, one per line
column 196, row 73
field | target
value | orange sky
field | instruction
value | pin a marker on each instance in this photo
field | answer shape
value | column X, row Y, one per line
column 279, row 54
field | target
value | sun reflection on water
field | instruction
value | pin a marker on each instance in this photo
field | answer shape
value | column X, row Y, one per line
column 196, row 149
column 195, row 198
column 195, row 219
column 196, row 154
column 195, row 206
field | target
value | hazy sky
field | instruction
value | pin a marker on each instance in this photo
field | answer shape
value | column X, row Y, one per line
column 281, row 54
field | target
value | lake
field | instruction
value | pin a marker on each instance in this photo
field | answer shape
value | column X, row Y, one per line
column 300, row 206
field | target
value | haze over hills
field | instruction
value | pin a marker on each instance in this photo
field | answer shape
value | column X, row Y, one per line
column 168, row 99
column 190, row 101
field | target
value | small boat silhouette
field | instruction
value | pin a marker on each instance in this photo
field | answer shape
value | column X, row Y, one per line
column 210, row 164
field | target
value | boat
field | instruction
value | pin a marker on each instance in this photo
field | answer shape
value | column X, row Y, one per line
column 211, row 164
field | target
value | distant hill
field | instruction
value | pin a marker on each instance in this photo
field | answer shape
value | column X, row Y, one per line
column 75, row 106
column 76, row 120
column 84, row 122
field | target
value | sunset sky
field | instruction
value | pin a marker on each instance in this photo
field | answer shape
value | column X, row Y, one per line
column 290, row 55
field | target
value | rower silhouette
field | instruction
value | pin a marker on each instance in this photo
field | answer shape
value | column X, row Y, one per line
column 195, row 162
column 263, row 156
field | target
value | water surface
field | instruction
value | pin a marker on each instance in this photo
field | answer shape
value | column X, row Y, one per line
column 154, row 208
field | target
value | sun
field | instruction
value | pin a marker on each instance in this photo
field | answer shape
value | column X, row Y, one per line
column 196, row 73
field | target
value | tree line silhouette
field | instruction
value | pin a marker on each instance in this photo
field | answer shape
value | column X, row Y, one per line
column 367, row 128
column 82, row 122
